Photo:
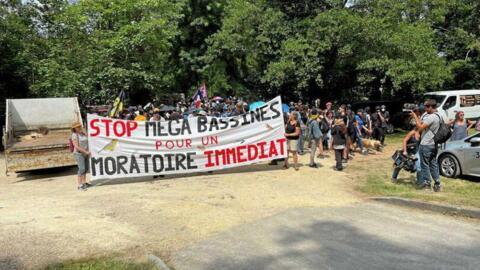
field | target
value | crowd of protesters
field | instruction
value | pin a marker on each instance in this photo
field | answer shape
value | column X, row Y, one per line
column 219, row 107
column 325, row 128
column 320, row 128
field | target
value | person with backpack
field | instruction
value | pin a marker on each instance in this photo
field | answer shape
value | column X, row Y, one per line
column 315, row 136
column 433, row 131
column 79, row 147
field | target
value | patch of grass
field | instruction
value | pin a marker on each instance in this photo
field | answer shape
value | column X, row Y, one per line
column 455, row 191
column 396, row 138
column 376, row 182
column 100, row 264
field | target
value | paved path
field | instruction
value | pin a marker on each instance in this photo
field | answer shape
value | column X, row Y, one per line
column 363, row 236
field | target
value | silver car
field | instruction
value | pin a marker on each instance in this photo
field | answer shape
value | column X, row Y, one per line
column 460, row 157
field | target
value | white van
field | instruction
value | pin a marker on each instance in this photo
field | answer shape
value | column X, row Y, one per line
column 452, row 101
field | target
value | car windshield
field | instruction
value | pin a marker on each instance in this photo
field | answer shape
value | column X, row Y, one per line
column 438, row 98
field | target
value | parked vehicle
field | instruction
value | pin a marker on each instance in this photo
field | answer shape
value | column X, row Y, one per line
column 450, row 102
column 461, row 157
column 36, row 133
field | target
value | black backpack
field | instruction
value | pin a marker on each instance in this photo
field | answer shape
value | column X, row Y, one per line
column 443, row 133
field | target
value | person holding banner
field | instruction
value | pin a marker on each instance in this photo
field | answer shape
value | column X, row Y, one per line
column 292, row 133
column 81, row 154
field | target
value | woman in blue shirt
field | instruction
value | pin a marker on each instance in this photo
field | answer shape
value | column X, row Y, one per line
column 359, row 126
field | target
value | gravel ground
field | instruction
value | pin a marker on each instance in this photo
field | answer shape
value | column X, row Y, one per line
column 44, row 219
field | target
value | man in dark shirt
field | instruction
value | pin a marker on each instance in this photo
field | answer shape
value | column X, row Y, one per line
column 379, row 119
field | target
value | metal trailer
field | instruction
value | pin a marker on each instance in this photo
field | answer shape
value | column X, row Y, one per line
column 27, row 144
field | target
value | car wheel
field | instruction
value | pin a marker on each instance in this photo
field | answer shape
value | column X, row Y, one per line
column 449, row 166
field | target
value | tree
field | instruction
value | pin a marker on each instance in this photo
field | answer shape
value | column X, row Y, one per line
column 336, row 51
column 97, row 48
column 19, row 44
column 238, row 55
column 201, row 19
column 458, row 39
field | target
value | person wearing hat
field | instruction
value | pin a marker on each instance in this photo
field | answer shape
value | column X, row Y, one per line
column 428, row 125
column 81, row 154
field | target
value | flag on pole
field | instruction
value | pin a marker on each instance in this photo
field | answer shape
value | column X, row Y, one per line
column 203, row 90
column 200, row 94
column 117, row 105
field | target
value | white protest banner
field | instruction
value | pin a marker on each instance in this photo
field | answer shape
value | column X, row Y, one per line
column 121, row 148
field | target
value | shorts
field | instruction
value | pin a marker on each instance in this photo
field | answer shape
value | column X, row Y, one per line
column 82, row 162
column 339, row 147
column 292, row 145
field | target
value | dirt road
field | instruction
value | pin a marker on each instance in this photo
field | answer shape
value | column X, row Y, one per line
column 367, row 235
column 44, row 219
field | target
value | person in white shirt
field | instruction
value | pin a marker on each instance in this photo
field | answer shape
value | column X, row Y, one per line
column 80, row 151
column 428, row 125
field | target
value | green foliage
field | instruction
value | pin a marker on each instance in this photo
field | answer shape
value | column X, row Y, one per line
column 101, row 47
column 336, row 49
column 18, row 42
column 341, row 49
column 377, row 182
column 242, row 50
column 100, row 264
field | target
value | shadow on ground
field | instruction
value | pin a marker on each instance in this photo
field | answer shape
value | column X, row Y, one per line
column 48, row 174
column 337, row 245
column 8, row 263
